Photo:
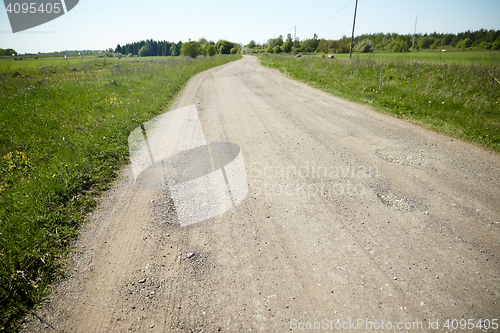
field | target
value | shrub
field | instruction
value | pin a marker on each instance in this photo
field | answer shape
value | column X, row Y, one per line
column 277, row 49
column 146, row 50
column 400, row 46
column 365, row 46
column 190, row 49
column 464, row 44
column 426, row 42
column 224, row 47
column 208, row 49
column 287, row 47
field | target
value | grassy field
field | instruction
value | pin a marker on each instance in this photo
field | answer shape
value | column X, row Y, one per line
column 452, row 56
column 63, row 139
column 9, row 64
column 460, row 99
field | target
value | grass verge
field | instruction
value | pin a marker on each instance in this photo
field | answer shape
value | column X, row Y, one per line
column 63, row 139
column 458, row 99
column 485, row 57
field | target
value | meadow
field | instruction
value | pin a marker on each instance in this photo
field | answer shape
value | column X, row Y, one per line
column 9, row 64
column 64, row 130
column 457, row 96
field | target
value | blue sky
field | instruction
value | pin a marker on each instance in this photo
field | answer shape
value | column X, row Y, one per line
column 98, row 24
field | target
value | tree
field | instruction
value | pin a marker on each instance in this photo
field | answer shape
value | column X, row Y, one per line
column 208, row 49
column 190, row 49
column 178, row 48
column 310, row 45
column 496, row 44
column 252, row 44
column 276, row 41
column 202, row 41
column 401, row 46
column 223, row 47
column 287, row 47
column 146, row 50
column 7, row 52
column 464, row 44
column 425, row 42
column 118, row 49
column 296, row 43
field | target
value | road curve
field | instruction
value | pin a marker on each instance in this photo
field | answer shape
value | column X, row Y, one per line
column 351, row 216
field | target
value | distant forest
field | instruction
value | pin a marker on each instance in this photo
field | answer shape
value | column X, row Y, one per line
column 155, row 48
column 150, row 47
column 481, row 39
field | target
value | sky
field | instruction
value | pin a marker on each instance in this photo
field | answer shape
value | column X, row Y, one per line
column 101, row 24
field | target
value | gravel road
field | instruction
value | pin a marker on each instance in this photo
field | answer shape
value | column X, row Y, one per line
column 351, row 216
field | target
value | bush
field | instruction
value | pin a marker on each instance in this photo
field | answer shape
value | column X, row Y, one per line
column 252, row 44
column 495, row 45
column 426, row 42
column 269, row 49
column 224, row 47
column 190, row 49
column 365, row 46
column 287, row 47
column 400, row 46
column 146, row 50
column 234, row 50
column 7, row 52
column 277, row 49
column 208, row 49
column 465, row 44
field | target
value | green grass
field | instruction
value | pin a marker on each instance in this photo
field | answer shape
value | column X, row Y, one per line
column 459, row 99
column 484, row 57
column 9, row 64
column 63, row 139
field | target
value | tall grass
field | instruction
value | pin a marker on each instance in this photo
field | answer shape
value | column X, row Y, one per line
column 461, row 100
column 485, row 57
column 63, row 138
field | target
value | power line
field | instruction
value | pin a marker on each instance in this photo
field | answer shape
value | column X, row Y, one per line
column 328, row 17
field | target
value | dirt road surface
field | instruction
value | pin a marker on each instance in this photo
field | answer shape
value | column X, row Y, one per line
column 351, row 216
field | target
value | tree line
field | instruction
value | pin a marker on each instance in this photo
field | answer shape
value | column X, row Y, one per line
column 481, row 39
column 150, row 47
column 7, row 52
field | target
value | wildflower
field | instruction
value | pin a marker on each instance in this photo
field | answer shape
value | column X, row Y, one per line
column 429, row 102
column 53, row 175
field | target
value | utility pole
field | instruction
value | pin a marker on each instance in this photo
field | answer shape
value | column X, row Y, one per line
column 353, row 24
column 414, row 32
